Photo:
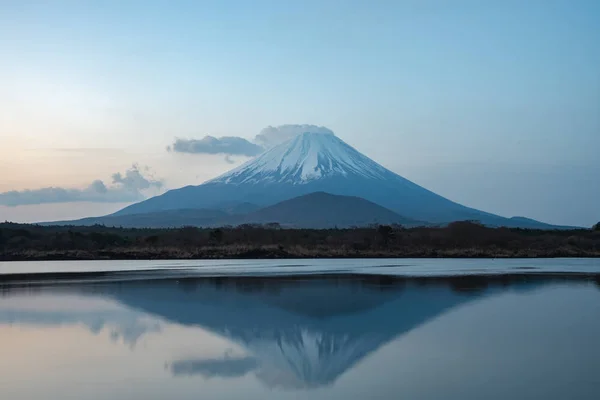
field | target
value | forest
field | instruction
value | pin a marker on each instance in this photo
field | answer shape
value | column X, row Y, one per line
column 459, row 239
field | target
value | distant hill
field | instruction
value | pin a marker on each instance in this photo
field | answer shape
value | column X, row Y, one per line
column 528, row 223
column 314, row 210
column 238, row 208
column 162, row 219
column 324, row 210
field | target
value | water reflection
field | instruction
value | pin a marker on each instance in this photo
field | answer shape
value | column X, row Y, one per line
column 289, row 335
column 301, row 335
column 226, row 367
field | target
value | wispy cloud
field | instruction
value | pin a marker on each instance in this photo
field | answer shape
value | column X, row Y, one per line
column 232, row 145
column 273, row 135
column 86, row 150
column 127, row 187
column 228, row 367
column 211, row 145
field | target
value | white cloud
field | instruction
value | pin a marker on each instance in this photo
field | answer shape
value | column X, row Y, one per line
column 229, row 145
column 269, row 137
column 228, row 367
column 124, row 188
column 273, row 135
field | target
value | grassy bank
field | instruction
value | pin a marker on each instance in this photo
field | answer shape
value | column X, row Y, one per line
column 460, row 239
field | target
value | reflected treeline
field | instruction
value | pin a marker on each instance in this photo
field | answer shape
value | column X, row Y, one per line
column 36, row 283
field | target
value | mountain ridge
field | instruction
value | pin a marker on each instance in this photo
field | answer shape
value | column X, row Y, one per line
column 318, row 210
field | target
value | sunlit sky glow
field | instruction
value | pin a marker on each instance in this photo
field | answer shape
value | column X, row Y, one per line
column 494, row 104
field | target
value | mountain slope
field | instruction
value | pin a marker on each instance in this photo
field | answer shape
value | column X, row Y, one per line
column 315, row 210
column 324, row 210
column 159, row 219
column 317, row 162
column 523, row 222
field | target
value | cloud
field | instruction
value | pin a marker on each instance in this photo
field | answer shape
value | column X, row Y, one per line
column 269, row 137
column 134, row 180
column 273, row 135
column 88, row 150
column 228, row 367
column 211, row 145
column 124, row 188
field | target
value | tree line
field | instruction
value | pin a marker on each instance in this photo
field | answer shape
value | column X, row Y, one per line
column 458, row 239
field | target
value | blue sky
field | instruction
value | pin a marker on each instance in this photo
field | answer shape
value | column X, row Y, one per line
column 495, row 104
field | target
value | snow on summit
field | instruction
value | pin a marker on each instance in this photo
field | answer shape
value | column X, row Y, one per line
column 307, row 157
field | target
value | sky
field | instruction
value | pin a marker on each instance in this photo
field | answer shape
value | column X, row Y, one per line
column 493, row 104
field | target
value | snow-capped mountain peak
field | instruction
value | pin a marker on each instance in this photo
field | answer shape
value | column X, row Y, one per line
column 318, row 161
column 307, row 157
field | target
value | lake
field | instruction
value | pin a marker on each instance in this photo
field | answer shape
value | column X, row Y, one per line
column 276, row 330
column 395, row 266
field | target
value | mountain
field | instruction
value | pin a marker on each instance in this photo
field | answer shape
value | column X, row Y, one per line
column 317, row 162
column 324, row 210
column 316, row 210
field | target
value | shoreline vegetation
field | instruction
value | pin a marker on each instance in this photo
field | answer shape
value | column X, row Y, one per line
column 465, row 239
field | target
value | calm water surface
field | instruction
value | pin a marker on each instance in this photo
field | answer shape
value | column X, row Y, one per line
column 310, row 339
column 395, row 266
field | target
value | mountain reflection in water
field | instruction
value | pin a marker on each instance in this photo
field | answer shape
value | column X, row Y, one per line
column 295, row 334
